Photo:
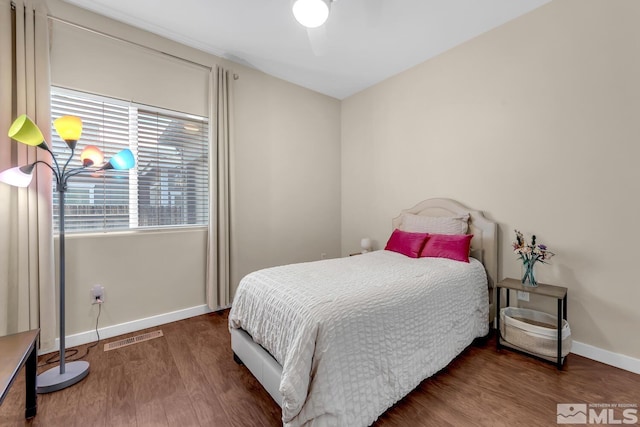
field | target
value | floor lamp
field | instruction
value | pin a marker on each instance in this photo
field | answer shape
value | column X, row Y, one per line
column 69, row 128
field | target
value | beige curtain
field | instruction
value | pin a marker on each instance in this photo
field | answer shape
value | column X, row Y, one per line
column 27, row 285
column 218, row 247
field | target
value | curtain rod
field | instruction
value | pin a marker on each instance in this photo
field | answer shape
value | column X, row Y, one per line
column 91, row 30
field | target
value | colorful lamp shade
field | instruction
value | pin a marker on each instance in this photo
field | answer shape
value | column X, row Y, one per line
column 25, row 131
column 69, row 128
column 122, row 160
column 20, row 176
column 311, row 13
column 91, row 155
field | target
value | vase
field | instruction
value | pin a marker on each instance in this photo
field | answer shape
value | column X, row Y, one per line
column 529, row 278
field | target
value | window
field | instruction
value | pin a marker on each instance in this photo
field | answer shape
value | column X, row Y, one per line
column 169, row 185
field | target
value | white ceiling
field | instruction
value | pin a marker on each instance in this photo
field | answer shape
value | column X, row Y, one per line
column 362, row 43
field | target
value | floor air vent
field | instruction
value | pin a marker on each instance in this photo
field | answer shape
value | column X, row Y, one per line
column 132, row 340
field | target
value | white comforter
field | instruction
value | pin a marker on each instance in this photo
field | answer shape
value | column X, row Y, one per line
column 354, row 335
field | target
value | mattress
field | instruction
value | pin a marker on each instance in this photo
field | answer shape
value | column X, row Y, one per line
column 356, row 334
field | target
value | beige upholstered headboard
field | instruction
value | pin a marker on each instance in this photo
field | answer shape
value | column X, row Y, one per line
column 484, row 245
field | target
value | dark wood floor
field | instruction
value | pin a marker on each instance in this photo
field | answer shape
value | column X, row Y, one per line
column 188, row 378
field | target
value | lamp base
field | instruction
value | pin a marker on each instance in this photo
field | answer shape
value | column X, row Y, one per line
column 52, row 380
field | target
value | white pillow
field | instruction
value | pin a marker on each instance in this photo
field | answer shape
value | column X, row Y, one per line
column 435, row 224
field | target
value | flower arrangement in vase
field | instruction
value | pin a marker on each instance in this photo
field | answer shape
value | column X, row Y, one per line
column 529, row 254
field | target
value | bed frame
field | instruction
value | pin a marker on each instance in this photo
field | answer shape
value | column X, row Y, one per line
column 484, row 247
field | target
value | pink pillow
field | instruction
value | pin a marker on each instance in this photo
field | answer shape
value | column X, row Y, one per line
column 406, row 243
column 452, row 246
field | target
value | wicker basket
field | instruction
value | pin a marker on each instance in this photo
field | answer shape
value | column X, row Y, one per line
column 534, row 331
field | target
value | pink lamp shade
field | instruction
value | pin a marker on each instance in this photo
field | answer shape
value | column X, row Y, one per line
column 20, row 176
column 91, row 156
column 24, row 130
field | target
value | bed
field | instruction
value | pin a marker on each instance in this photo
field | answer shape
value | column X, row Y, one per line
column 337, row 342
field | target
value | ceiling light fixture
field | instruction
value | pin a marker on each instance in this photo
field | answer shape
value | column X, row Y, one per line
column 311, row 13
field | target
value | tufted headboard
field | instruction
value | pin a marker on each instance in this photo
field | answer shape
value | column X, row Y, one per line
column 484, row 245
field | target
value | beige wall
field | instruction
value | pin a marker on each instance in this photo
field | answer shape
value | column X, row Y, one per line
column 537, row 123
column 286, row 194
column 286, row 204
column 144, row 274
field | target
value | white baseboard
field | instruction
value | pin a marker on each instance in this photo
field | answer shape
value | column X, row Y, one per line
column 621, row 361
column 128, row 327
column 607, row 357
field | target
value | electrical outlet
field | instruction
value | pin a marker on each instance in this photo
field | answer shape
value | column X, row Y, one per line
column 523, row 296
column 97, row 293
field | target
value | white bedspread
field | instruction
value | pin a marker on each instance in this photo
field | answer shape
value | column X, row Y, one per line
column 354, row 335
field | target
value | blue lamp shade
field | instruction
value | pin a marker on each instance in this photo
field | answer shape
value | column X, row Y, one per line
column 122, row 160
column 20, row 176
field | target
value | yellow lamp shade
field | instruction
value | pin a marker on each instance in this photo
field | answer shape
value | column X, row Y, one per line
column 24, row 130
column 69, row 128
column 91, row 155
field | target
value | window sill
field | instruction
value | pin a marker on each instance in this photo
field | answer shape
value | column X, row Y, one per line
column 139, row 231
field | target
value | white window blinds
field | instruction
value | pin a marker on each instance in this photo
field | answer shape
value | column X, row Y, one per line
column 172, row 170
column 169, row 185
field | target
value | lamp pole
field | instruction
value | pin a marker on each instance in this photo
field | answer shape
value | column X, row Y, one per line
column 73, row 372
column 61, row 195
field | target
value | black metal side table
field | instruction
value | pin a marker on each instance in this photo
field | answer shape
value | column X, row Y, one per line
column 557, row 292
